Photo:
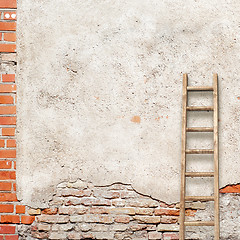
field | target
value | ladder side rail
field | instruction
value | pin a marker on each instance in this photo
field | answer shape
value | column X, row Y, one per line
column 216, row 161
column 183, row 158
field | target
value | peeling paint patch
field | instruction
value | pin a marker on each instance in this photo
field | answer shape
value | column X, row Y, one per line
column 136, row 119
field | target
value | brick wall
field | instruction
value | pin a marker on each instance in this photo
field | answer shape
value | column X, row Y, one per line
column 78, row 210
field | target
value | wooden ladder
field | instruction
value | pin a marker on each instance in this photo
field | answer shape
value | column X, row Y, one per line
column 184, row 174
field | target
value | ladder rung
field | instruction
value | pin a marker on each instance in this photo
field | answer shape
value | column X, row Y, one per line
column 199, row 88
column 199, row 174
column 199, row 198
column 199, row 151
column 199, row 129
column 199, row 108
column 199, row 223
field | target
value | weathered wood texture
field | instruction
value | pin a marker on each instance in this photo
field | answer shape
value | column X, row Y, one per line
column 185, row 151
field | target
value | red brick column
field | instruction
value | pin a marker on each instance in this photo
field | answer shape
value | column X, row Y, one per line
column 11, row 212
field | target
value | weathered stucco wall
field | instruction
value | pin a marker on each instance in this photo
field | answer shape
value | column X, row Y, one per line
column 99, row 91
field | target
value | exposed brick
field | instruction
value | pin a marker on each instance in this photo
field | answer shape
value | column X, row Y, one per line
column 2, row 144
column 7, row 48
column 6, row 208
column 5, row 186
column 231, row 189
column 106, row 194
column 104, row 235
column 14, row 184
column 53, row 219
column 98, row 210
column 8, row 197
column 80, row 210
column 84, row 227
column 95, row 202
column 11, row 237
column 20, row 209
column 10, row 15
column 122, row 219
column 6, row 100
column 6, row 164
column 7, row 110
column 43, row 227
column 167, row 212
column 67, row 210
column 98, row 218
column 118, row 227
column 27, row 219
column 151, row 227
column 146, row 203
column 138, row 227
column 190, row 212
column 8, row 131
column 144, row 211
column 11, row 143
column 7, row 88
column 50, row 211
column 147, row 219
column 168, row 227
column 7, row 26
column 118, row 202
column 7, row 175
column 193, row 205
column 1, row 237
column 77, row 218
column 169, row 219
column 40, row 235
column 62, row 227
column 57, row 235
column 10, row 219
column 141, row 235
column 74, row 235
column 8, row 77
column 7, row 120
column 7, row 154
column 32, row 211
column 75, row 192
column 154, row 235
column 5, row 229
column 128, row 211
column 87, row 236
column 170, row 236
column 96, row 227
column 8, row 3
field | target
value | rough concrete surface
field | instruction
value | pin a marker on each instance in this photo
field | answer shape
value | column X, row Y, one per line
column 99, row 91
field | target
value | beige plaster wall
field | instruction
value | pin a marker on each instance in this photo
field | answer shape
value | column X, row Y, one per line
column 99, row 92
